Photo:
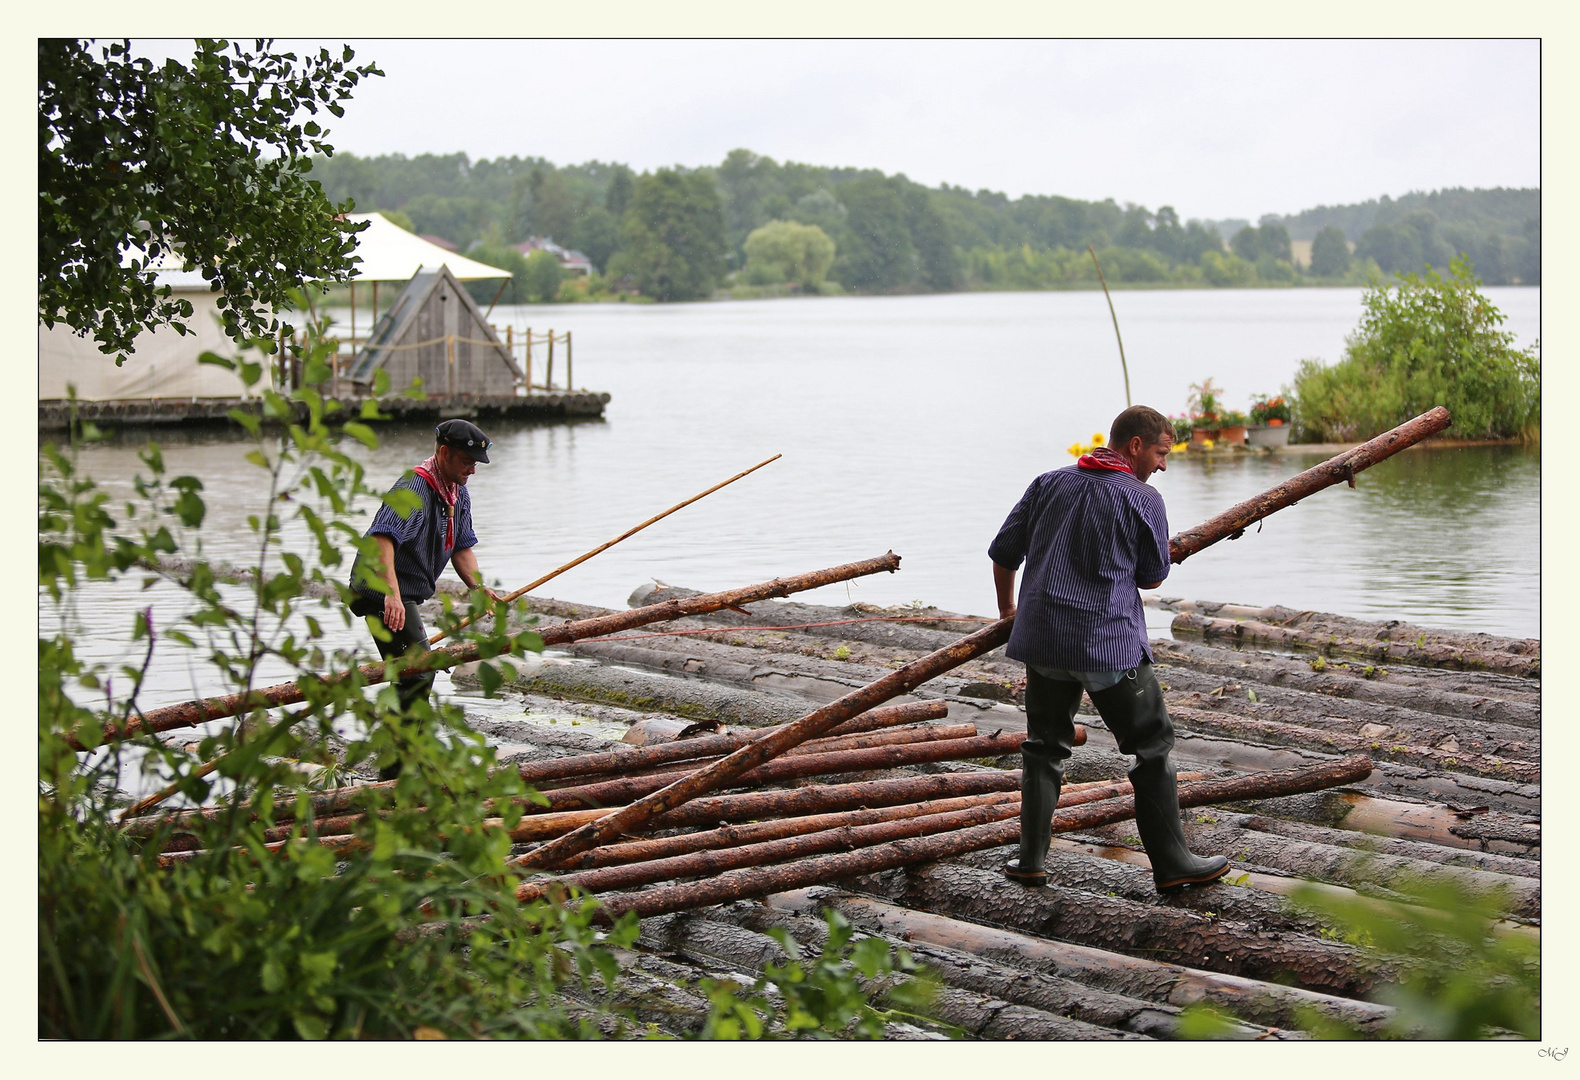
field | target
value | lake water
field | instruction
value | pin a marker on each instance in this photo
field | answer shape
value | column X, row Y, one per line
column 913, row 424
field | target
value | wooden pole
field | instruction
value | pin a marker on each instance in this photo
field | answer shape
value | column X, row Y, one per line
column 375, row 315
column 570, row 382
column 1122, row 365
column 353, row 314
column 548, row 372
column 899, row 681
column 552, row 574
column 529, row 359
column 191, row 713
column 1342, row 467
column 760, row 881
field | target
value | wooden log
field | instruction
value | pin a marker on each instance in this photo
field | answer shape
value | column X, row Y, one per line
column 718, row 860
column 1139, row 978
column 1339, row 468
column 1425, row 654
column 1046, row 991
column 1171, row 934
column 768, row 746
column 203, row 710
column 759, row 881
column 1243, row 729
column 1031, row 1008
column 907, row 736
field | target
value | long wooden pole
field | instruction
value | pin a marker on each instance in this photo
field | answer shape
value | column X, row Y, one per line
column 192, row 713
column 899, row 681
column 552, row 574
column 1342, row 467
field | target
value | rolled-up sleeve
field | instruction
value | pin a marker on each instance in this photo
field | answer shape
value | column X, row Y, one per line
column 1008, row 548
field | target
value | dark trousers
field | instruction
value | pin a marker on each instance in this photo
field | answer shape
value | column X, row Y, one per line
column 411, row 688
column 1132, row 709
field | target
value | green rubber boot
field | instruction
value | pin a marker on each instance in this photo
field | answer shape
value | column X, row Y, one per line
column 1134, row 711
column 1050, row 730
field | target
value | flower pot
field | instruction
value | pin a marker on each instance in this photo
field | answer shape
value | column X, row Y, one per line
column 1200, row 435
column 1234, row 436
column 1268, row 435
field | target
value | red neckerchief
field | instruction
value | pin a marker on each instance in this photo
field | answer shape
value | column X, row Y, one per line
column 1104, row 458
column 429, row 471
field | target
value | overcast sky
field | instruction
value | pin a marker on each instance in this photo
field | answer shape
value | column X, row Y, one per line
column 1217, row 129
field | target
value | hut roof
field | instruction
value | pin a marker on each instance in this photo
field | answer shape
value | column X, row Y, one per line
column 397, row 325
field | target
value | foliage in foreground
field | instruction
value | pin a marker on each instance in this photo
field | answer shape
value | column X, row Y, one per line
column 206, row 161
column 1431, row 340
column 411, row 930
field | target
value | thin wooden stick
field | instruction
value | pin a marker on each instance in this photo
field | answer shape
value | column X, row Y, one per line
column 605, row 547
column 1122, row 365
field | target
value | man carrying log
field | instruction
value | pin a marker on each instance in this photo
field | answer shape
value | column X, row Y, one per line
column 1090, row 535
column 413, row 551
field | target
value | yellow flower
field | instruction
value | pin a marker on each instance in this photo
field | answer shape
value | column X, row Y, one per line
column 1097, row 438
column 1076, row 449
column 1206, row 444
column 1179, row 446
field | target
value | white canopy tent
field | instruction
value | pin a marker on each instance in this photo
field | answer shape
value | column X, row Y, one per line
column 390, row 253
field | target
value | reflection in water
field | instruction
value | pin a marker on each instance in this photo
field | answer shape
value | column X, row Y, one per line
column 914, row 423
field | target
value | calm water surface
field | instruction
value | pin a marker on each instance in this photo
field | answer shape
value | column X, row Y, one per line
column 913, row 424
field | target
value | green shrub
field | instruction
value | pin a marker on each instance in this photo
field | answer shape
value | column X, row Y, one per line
column 1429, row 340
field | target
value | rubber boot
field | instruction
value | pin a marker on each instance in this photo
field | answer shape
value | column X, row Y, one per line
column 1050, row 726
column 413, row 688
column 1134, row 711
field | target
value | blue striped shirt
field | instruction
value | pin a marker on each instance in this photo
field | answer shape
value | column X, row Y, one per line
column 1089, row 538
column 420, row 554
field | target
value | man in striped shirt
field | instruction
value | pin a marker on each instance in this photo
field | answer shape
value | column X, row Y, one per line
column 1090, row 535
column 414, row 549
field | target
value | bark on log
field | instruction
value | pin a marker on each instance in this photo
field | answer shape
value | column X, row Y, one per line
column 1412, row 723
column 628, row 792
column 1509, row 699
column 759, row 881
column 816, row 723
column 1133, row 977
column 1169, row 934
column 203, row 710
column 718, row 860
column 1243, row 729
column 1340, row 468
column 975, row 993
column 1425, row 654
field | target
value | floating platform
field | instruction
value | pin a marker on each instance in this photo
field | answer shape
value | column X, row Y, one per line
column 549, row 406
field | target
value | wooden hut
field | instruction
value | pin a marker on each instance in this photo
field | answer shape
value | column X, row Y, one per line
column 434, row 331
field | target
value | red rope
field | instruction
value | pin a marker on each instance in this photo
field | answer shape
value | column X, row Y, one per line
column 797, row 626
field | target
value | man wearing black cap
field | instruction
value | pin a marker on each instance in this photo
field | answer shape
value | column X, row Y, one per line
column 414, row 549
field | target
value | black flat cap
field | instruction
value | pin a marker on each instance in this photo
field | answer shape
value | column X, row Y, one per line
column 465, row 436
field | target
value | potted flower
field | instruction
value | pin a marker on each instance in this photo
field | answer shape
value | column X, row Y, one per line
column 1271, row 418
column 1232, row 427
column 1206, row 409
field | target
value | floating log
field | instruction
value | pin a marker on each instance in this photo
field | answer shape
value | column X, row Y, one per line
column 201, row 711
column 759, row 881
column 1244, row 729
column 901, row 681
column 1410, row 651
column 1340, row 468
column 1172, row 934
column 1134, row 977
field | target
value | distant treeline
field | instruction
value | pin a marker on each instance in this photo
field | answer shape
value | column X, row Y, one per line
column 681, row 233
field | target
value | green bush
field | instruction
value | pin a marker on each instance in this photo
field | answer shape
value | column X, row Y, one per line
column 1429, row 340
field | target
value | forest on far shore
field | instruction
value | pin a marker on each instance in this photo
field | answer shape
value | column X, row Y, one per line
column 756, row 226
